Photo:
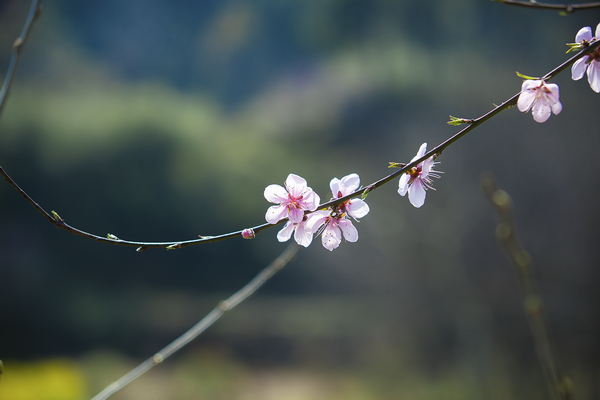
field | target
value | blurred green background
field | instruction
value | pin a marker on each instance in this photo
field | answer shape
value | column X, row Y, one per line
column 158, row 120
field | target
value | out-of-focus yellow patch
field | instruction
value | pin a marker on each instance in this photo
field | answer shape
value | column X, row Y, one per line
column 55, row 379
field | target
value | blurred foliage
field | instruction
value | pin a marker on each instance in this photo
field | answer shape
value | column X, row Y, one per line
column 52, row 379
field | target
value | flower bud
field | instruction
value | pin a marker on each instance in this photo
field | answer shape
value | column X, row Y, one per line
column 248, row 233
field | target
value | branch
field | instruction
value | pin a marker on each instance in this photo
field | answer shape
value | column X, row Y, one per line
column 225, row 305
column 59, row 222
column 562, row 8
column 18, row 45
column 506, row 232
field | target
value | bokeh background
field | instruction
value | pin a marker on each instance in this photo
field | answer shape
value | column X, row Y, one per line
column 161, row 120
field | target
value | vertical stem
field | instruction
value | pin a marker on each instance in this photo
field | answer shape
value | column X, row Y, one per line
column 506, row 232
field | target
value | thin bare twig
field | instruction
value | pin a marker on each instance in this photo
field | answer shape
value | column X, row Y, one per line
column 34, row 12
column 506, row 232
column 563, row 8
column 225, row 305
column 57, row 221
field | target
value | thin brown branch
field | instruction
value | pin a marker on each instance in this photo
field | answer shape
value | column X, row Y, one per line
column 563, row 8
column 19, row 44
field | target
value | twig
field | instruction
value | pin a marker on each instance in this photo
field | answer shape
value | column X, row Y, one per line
column 563, row 8
column 18, row 45
column 57, row 221
column 506, row 232
column 225, row 305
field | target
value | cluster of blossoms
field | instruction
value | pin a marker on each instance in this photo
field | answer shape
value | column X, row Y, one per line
column 296, row 198
column 543, row 98
column 298, row 203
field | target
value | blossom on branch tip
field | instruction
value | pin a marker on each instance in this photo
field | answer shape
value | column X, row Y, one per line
column 541, row 98
column 335, row 222
column 291, row 201
column 416, row 181
column 590, row 62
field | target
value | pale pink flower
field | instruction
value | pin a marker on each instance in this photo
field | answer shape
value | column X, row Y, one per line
column 417, row 180
column 332, row 224
column 292, row 200
column 356, row 208
column 541, row 98
column 589, row 63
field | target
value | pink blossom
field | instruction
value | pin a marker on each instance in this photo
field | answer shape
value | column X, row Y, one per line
column 356, row 208
column 291, row 201
column 589, row 63
column 417, row 180
column 541, row 98
column 334, row 223
column 331, row 225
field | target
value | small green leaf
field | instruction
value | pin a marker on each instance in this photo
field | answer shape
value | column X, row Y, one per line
column 396, row 165
column 113, row 237
column 365, row 193
column 525, row 76
column 454, row 121
column 56, row 216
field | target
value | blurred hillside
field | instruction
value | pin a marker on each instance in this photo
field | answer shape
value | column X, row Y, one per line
column 158, row 121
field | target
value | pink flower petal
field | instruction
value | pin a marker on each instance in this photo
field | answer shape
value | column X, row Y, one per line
column 526, row 100
column 348, row 229
column 276, row 213
column 597, row 31
column 331, row 237
column 303, row 236
column 541, row 110
column 403, row 184
column 416, row 194
column 584, row 34
column 578, row 69
column 349, row 184
column 334, row 185
column 421, row 152
column 286, row 233
column 311, row 201
column 357, row 208
column 594, row 76
column 275, row 194
column 296, row 215
column 295, row 185
column 316, row 219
